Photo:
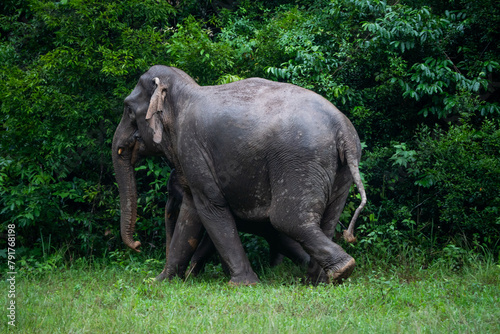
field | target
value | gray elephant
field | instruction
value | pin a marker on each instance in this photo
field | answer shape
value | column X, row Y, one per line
column 253, row 150
column 279, row 244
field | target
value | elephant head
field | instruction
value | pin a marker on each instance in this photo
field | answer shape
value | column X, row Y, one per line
column 128, row 146
column 144, row 130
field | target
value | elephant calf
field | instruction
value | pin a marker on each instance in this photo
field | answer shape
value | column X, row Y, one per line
column 254, row 150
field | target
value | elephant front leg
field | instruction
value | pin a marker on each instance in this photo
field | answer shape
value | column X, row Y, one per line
column 184, row 241
column 221, row 227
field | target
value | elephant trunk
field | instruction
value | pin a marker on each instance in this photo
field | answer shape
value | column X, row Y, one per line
column 125, row 176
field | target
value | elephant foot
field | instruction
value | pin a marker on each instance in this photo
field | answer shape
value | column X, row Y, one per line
column 276, row 259
column 315, row 274
column 346, row 269
column 162, row 276
column 317, row 278
column 249, row 279
column 195, row 269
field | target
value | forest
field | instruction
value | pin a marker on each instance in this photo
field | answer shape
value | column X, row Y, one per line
column 419, row 79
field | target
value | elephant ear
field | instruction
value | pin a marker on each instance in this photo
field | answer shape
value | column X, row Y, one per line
column 156, row 107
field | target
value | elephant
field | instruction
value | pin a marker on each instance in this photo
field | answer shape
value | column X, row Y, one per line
column 279, row 244
column 254, row 150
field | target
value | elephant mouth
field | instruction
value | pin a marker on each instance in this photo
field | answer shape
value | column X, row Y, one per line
column 132, row 148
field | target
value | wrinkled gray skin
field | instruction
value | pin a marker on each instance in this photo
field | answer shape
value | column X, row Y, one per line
column 279, row 244
column 252, row 150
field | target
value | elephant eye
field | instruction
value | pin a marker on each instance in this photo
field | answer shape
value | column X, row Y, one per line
column 131, row 113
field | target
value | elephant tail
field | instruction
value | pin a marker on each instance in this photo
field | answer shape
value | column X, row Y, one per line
column 353, row 164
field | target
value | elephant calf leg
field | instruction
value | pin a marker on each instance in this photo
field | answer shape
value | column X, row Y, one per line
column 201, row 255
column 185, row 239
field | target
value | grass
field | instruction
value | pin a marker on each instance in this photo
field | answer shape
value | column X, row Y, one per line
column 98, row 298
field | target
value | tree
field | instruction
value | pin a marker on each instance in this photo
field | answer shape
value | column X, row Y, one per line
column 418, row 78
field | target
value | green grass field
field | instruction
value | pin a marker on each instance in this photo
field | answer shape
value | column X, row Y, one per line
column 97, row 298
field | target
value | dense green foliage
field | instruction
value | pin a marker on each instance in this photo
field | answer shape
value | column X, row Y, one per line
column 419, row 79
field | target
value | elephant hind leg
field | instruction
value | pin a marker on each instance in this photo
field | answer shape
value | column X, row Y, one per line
column 305, row 227
column 292, row 249
column 329, row 262
column 330, row 220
